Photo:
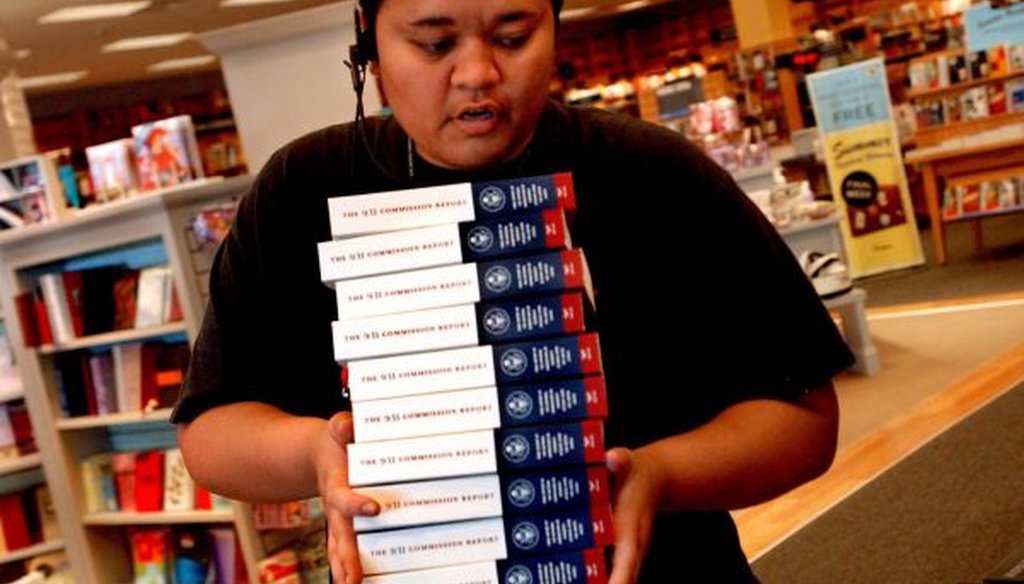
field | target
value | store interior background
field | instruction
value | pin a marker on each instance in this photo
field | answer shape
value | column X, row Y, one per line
column 949, row 337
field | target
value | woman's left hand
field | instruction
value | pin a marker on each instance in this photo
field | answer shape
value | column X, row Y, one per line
column 634, row 503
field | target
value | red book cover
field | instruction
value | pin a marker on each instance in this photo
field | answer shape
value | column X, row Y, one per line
column 149, row 480
column 13, row 522
column 176, row 314
column 92, row 405
column 73, row 297
column 25, row 304
column 42, row 319
column 21, row 425
column 150, row 555
column 124, row 480
column 125, row 287
column 203, row 499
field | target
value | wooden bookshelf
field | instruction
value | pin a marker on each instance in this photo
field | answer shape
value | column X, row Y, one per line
column 158, row 517
column 113, row 338
column 20, row 463
column 963, row 85
column 32, row 551
column 118, row 419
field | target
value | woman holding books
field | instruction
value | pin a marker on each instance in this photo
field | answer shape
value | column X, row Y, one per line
column 719, row 388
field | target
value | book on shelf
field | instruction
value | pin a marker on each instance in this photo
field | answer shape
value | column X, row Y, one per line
column 477, row 540
column 463, row 284
column 584, row 567
column 487, row 365
column 123, row 467
column 149, row 480
column 453, row 243
column 482, row 496
column 482, row 408
column 112, row 169
column 49, row 529
column 458, row 326
column 98, row 483
column 8, row 443
column 480, row 452
column 58, row 309
column 281, row 567
column 166, row 152
column 178, row 490
column 449, row 203
column 16, row 519
column 28, row 192
column 150, row 552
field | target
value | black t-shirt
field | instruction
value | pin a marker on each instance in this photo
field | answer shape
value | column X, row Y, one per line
column 700, row 304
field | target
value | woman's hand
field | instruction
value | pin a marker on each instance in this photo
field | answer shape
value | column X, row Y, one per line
column 634, row 503
column 341, row 503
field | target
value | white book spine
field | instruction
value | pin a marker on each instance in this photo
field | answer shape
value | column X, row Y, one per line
column 149, row 300
column 421, row 373
column 395, row 334
column 427, row 502
column 389, row 252
column 407, row 291
column 438, row 545
column 413, row 459
column 475, row 573
column 425, row 415
column 403, row 209
column 179, row 491
column 57, row 309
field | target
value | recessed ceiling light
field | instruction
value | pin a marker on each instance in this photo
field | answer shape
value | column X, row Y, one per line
column 54, row 79
column 250, row 2
column 146, row 42
column 94, row 11
column 186, row 63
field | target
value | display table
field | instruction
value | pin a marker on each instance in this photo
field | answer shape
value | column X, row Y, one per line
column 982, row 158
column 823, row 235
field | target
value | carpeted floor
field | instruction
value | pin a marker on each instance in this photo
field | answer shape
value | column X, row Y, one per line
column 946, row 514
column 996, row 268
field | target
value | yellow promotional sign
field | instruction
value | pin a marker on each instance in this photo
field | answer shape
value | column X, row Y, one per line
column 865, row 168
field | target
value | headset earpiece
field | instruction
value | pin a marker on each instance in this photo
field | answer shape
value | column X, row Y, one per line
column 365, row 49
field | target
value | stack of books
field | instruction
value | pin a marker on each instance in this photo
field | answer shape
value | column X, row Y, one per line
column 477, row 391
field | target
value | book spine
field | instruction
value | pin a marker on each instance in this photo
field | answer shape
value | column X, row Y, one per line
column 389, row 252
column 395, row 334
column 452, row 243
column 546, row 272
column 468, row 453
column 453, row 203
column 522, row 319
column 501, row 365
column 584, row 567
column 407, row 291
column 478, row 497
column 462, row 284
column 483, row 539
column 519, row 235
column 483, row 408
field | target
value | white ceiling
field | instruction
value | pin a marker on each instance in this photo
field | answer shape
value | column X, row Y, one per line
column 58, row 48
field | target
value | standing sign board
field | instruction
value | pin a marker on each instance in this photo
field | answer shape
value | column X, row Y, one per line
column 865, row 167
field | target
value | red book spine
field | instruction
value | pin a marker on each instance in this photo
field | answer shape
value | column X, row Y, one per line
column 73, row 297
column 149, row 480
column 15, row 526
column 43, row 320
column 25, row 304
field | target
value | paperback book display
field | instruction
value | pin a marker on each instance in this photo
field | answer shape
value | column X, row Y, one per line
column 166, row 152
column 477, row 389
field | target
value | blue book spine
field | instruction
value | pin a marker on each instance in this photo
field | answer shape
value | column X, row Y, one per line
column 553, row 401
column 557, row 358
column 550, row 446
column 546, row 272
column 551, row 490
column 549, row 191
column 558, row 532
column 584, row 567
column 521, row 234
column 530, row 318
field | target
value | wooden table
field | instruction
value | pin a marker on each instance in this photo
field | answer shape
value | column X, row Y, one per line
column 979, row 162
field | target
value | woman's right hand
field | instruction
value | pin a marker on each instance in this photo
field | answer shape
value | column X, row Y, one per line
column 341, row 503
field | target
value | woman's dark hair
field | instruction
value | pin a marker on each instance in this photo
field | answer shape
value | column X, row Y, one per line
column 370, row 8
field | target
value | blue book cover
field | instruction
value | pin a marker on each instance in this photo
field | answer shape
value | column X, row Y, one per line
column 530, row 318
column 522, row 234
column 553, row 401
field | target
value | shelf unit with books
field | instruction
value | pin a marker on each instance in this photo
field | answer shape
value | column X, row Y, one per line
column 153, row 226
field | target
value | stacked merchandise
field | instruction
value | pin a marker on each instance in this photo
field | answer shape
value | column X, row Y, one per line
column 963, row 201
column 477, row 394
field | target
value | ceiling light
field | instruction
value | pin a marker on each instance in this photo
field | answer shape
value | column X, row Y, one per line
column 186, row 63
column 146, row 42
column 94, row 11
column 250, row 2
column 54, row 79
column 22, row 53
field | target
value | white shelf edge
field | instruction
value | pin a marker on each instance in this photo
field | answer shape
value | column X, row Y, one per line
column 32, row 551
column 118, row 419
column 114, row 337
column 27, row 461
column 157, row 517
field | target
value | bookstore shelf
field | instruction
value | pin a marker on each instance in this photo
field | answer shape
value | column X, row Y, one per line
column 27, row 461
column 157, row 517
column 32, row 551
column 953, row 87
column 98, row 545
column 111, row 338
column 118, row 419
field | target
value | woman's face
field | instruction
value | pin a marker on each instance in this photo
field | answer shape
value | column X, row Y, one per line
column 466, row 79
